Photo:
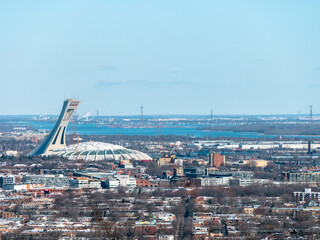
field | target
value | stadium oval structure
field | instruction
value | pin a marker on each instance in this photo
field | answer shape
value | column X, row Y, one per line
column 100, row 151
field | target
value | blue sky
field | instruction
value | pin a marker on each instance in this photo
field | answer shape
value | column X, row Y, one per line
column 172, row 57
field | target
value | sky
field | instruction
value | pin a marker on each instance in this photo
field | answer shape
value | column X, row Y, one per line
column 172, row 57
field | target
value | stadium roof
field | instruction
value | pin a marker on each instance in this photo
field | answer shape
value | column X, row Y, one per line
column 100, row 151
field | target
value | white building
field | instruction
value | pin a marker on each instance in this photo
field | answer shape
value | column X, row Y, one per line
column 166, row 237
column 9, row 179
column 307, row 194
column 47, row 180
column 211, row 181
column 245, row 182
column 11, row 153
column 121, row 181
column 85, row 183
column 112, row 183
column 167, row 217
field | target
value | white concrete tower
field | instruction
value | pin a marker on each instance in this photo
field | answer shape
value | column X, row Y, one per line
column 57, row 137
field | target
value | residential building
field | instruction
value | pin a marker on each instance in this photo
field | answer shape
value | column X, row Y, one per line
column 307, row 194
column 216, row 159
column 301, row 176
column 47, row 180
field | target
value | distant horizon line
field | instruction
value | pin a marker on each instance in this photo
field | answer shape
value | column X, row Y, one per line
column 153, row 115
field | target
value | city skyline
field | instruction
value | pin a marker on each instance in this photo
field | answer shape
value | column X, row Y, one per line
column 178, row 119
column 170, row 57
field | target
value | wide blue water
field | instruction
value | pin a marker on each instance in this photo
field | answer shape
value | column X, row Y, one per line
column 179, row 129
column 94, row 129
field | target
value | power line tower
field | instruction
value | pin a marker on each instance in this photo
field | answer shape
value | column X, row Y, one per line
column 310, row 112
column 141, row 117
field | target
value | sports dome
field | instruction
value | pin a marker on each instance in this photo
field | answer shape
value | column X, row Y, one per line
column 100, row 151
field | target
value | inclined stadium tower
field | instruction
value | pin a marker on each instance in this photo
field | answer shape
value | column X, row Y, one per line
column 57, row 137
column 55, row 143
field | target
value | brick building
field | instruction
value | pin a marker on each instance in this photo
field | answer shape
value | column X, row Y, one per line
column 216, row 159
column 146, row 183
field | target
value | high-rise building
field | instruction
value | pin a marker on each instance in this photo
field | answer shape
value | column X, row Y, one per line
column 216, row 159
column 57, row 137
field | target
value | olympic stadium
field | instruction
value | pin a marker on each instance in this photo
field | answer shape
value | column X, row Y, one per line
column 100, row 151
column 55, row 143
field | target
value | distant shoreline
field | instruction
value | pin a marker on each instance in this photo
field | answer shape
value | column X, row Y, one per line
column 270, row 129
